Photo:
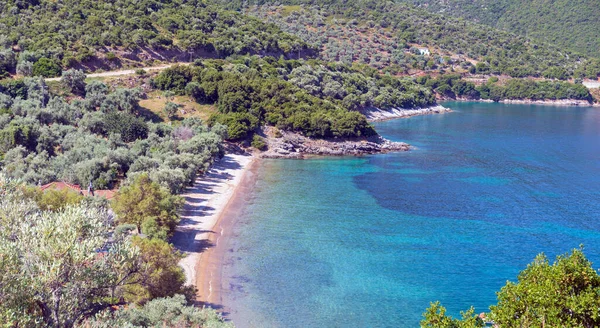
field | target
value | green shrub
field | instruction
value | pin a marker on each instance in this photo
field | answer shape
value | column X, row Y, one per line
column 258, row 142
column 47, row 68
column 127, row 125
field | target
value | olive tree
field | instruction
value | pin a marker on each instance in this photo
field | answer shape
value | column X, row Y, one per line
column 74, row 80
column 56, row 268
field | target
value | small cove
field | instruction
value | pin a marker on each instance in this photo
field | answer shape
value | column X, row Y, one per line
column 370, row 241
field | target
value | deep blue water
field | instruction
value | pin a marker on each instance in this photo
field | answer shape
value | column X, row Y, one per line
column 369, row 242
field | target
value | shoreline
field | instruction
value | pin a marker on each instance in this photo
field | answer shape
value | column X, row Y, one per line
column 379, row 115
column 206, row 204
column 210, row 265
column 559, row 102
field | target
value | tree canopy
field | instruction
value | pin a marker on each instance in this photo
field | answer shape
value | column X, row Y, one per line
column 565, row 293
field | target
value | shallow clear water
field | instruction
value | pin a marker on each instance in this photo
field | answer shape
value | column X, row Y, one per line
column 369, row 242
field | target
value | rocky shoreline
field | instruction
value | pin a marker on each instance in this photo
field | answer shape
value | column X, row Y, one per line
column 560, row 102
column 284, row 144
column 376, row 114
column 556, row 102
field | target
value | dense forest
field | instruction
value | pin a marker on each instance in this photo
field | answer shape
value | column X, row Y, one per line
column 569, row 24
column 43, row 37
column 315, row 98
column 388, row 34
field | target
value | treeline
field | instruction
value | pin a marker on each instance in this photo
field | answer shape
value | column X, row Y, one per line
column 100, row 138
column 570, row 24
column 41, row 37
column 315, row 98
column 452, row 86
column 385, row 34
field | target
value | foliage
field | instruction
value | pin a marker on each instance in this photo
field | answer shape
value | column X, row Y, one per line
column 129, row 127
column 57, row 267
column 159, row 274
column 435, row 317
column 75, row 33
column 389, row 35
column 171, row 109
column 74, row 80
column 258, row 142
column 161, row 312
column 101, row 138
column 150, row 207
column 452, row 86
column 53, row 200
column 563, row 294
column 46, row 67
column 315, row 98
column 569, row 24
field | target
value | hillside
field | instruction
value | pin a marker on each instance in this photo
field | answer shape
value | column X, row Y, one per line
column 566, row 23
column 400, row 36
column 44, row 37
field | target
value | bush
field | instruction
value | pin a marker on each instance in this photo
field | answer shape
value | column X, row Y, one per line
column 127, row 125
column 174, row 78
column 74, row 80
column 171, row 109
column 258, row 142
column 47, row 68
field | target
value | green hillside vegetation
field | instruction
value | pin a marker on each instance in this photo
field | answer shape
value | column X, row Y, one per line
column 386, row 34
column 315, row 98
column 100, row 138
column 565, row 293
column 566, row 23
column 41, row 37
column 453, row 87
column 70, row 267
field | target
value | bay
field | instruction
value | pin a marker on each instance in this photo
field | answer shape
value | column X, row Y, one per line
column 370, row 241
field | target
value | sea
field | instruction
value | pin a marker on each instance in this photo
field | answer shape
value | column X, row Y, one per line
column 371, row 241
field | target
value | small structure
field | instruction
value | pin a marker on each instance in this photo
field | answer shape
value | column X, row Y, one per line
column 424, row 51
column 60, row 185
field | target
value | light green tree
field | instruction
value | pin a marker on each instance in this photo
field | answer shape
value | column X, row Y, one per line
column 150, row 207
column 563, row 294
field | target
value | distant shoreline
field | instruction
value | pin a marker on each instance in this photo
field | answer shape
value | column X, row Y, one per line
column 377, row 115
column 548, row 102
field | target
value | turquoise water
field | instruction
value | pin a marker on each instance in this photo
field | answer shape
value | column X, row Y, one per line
column 369, row 242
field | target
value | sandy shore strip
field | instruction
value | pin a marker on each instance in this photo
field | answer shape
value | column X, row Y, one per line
column 204, row 205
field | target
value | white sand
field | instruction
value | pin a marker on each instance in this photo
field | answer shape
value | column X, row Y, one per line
column 204, row 204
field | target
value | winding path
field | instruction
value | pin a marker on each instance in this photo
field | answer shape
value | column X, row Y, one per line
column 124, row 71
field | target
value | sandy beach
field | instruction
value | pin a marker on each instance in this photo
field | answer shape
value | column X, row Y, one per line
column 198, row 232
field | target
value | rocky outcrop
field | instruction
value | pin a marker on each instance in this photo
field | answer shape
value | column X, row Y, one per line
column 283, row 144
column 376, row 114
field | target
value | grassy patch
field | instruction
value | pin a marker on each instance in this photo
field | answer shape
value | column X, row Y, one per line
column 288, row 10
column 189, row 108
